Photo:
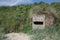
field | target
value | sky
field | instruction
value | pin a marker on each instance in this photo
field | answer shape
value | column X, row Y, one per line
column 16, row 2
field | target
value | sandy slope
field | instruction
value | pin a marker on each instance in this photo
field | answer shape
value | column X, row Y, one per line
column 17, row 36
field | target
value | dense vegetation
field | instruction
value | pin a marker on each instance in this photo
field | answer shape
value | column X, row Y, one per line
column 16, row 19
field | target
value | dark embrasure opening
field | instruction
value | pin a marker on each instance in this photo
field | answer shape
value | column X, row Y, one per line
column 38, row 23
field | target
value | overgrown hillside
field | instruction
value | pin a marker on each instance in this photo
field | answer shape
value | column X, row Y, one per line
column 16, row 18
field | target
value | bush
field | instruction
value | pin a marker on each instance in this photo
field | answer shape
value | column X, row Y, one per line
column 2, row 33
column 48, row 33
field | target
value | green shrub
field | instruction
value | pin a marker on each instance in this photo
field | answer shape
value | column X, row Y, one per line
column 48, row 33
column 2, row 33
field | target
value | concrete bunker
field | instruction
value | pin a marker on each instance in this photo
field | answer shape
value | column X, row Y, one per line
column 40, row 17
column 38, row 21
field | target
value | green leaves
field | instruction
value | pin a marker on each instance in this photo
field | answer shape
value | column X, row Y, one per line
column 17, row 16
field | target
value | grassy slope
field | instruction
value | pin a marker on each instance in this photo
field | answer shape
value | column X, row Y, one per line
column 15, row 18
